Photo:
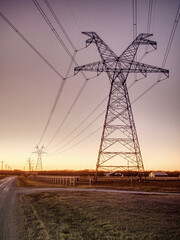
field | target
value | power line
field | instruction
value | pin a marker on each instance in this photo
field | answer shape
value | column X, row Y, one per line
column 165, row 55
column 149, row 21
column 67, row 2
column 69, row 111
column 30, row 45
column 61, row 87
column 46, row 61
column 82, row 122
column 135, row 34
column 52, row 110
column 55, row 32
column 134, row 2
column 59, row 24
column 67, row 51
column 171, row 36
column 52, row 28
column 82, row 140
column 83, row 130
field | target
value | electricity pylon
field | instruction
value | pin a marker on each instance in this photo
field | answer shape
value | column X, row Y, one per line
column 39, row 152
column 119, row 146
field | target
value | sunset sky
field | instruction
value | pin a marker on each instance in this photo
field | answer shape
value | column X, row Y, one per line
column 28, row 85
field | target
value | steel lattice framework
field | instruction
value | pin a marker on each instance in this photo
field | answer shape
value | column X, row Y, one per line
column 119, row 147
column 39, row 152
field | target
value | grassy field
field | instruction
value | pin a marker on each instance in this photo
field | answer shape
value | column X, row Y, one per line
column 100, row 216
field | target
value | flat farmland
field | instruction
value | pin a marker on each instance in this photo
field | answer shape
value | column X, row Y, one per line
column 99, row 216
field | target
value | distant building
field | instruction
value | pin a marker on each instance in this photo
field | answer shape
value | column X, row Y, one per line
column 113, row 174
column 158, row 174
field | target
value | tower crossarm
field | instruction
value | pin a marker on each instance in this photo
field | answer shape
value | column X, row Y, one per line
column 98, row 67
column 123, row 66
column 138, row 67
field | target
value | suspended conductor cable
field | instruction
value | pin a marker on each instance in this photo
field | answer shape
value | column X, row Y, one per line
column 53, row 109
column 134, row 2
column 30, row 45
column 149, row 21
column 52, row 27
column 67, row 51
column 67, row 2
column 81, row 123
column 59, row 24
column 83, row 130
column 165, row 56
column 135, row 32
column 69, row 111
column 82, row 140
column 171, row 39
column 61, row 87
column 56, row 34
column 46, row 61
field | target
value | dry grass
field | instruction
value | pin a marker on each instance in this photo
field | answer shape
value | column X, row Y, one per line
column 32, row 182
column 149, row 185
column 100, row 216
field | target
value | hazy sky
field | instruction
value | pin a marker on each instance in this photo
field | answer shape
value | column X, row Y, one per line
column 28, row 86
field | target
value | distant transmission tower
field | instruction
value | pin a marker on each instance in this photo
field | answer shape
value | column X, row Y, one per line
column 119, row 147
column 39, row 152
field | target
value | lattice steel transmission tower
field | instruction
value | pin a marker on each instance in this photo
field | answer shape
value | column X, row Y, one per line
column 39, row 152
column 119, row 147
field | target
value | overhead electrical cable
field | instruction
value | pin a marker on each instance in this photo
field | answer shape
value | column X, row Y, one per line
column 52, row 110
column 67, row 2
column 52, row 28
column 82, row 140
column 134, row 2
column 57, row 35
column 171, row 37
column 83, row 130
column 149, row 21
column 67, row 114
column 57, row 98
column 48, row 63
column 82, row 122
column 135, row 33
column 30, row 45
column 67, row 51
column 165, row 55
column 59, row 24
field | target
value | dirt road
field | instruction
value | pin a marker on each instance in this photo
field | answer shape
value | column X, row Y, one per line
column 38, row 190
column 8, row 209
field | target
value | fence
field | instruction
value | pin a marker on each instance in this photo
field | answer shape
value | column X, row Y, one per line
column 65, row 180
